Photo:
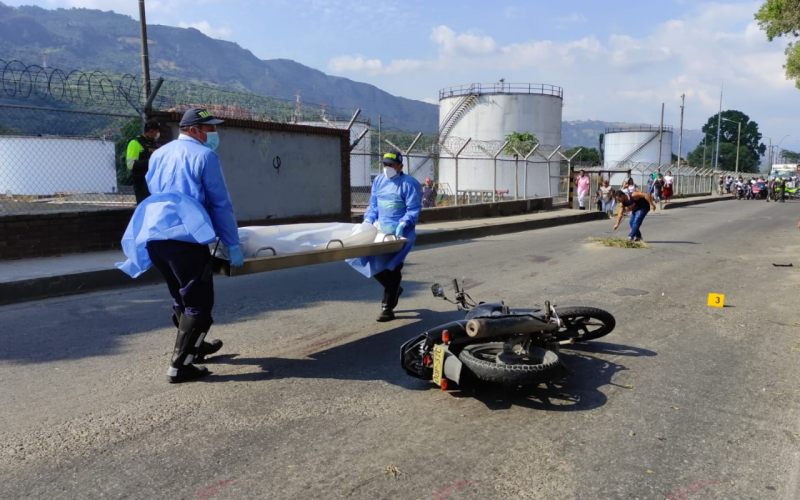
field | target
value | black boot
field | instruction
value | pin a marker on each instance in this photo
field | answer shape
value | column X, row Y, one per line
column 191, row 332
column 387, row 314
column 207, row 348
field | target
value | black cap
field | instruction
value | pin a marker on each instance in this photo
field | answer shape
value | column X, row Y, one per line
column 198, row 116
column 393, row 157
column 151, row 124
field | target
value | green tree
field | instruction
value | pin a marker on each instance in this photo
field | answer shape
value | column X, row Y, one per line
column 781, row 18
column 727, row 157
column 790, row 156
column 586, row 156
column 752, row 147
column 521, row 142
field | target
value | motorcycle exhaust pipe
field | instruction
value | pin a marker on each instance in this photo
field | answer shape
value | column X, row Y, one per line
column 495, row 327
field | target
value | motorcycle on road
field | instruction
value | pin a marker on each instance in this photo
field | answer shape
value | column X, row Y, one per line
column 496, row 344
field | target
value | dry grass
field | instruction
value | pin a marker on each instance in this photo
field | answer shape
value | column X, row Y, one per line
column 619, row 243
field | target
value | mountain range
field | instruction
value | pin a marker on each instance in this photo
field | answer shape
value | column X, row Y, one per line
column 94, row 40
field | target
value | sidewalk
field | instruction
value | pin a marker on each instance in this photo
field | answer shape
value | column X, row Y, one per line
column 33, row 279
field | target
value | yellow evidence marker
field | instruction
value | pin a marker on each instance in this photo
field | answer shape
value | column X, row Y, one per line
column 716, row 300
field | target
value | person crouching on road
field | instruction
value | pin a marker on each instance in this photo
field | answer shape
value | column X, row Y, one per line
column 395, row 203
column 188, row 207
column 640, row 204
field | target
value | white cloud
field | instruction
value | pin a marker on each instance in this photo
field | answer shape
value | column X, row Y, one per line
column 356, row 64
column 206, row 28
column 464, row 44
column 623, row 77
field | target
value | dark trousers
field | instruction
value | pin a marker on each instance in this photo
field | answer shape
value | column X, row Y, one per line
column 187, row 269
column 391, row 283
column 140, row 188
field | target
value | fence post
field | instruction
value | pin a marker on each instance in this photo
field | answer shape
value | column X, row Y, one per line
column 457, row 154
column 494, row 192
column 525, row 177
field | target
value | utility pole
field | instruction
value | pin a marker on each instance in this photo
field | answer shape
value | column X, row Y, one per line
column 719, row 126
column 380, row 143
column 680, row 136
column 705, row 144
column 145, row 60
column 769, row 155
column 738, row 139
column 661, row 134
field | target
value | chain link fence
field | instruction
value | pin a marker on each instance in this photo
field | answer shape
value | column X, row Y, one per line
column 56, row 160
column 64, row 135
column 466, row 171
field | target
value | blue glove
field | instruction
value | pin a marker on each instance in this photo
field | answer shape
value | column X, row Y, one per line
column 401, row 228
column 235, row 254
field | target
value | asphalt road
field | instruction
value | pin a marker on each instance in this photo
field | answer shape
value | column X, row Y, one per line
column 308, row 399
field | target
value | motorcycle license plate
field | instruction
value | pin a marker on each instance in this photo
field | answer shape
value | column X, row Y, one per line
column 438, row 363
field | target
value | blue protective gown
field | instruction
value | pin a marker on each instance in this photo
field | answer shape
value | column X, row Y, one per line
column 189, row 202
column 393, row 201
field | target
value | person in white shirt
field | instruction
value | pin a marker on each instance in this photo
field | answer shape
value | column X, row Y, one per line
column 668, row 188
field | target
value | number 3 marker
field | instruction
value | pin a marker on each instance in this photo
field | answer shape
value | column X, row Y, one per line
column 716, row 300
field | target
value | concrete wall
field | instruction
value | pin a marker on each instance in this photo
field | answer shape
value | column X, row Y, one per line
column 312, row 178
column 360, row 156
column 311, row 185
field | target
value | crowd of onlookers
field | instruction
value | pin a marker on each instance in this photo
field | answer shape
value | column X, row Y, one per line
column 659, row 186
column 757, row 187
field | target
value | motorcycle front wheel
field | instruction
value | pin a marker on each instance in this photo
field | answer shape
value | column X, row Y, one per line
column 489, row 362
column 584, row 323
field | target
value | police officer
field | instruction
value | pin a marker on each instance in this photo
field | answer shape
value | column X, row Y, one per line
column 188, row 208
column 139, row 152
column 395, row 203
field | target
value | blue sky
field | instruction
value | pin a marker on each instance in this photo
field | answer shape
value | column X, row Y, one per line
column 617, row 60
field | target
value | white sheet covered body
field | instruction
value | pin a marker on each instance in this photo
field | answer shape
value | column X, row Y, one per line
column 297, row 238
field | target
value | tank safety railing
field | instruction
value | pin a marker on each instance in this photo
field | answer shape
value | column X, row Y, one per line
column 502, row 88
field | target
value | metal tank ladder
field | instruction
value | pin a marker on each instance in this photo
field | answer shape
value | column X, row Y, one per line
column 637, row 150
column 457, row 112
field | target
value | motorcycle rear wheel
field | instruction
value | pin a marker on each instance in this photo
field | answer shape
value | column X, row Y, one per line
column 584, row 323
column 490, row 363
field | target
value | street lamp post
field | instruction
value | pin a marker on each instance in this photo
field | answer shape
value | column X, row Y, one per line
column 779, row 143
column 738, row 140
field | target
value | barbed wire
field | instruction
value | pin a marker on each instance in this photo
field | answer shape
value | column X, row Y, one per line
column 483, row 149
column 96, row 89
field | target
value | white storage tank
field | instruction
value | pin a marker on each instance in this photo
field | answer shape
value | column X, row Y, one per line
column 490, row 112
column 360, row 156
column 637, row 144
column 51, row 165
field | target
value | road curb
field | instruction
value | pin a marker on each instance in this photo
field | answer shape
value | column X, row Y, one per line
column 14, row 292
column 689, row 202
column 448, row 235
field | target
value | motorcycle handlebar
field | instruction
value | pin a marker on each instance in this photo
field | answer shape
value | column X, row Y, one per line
column 455, row 285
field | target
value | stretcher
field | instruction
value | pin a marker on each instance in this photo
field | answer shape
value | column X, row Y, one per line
column 270, row 248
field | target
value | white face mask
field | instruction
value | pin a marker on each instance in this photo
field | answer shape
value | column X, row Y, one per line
column 389, row 172
column 157, row 137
